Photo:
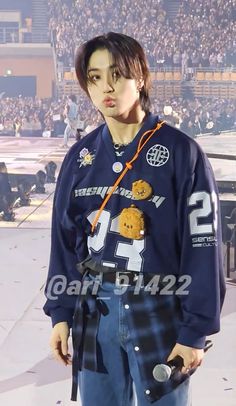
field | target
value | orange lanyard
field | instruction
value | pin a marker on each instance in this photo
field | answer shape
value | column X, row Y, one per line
column 128, row 166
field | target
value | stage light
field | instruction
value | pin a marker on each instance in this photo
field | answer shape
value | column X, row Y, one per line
column 24, row 188
column 7, row 197
column 40, row 182
column 50, row 172
column 4, row 180
column 6, row 207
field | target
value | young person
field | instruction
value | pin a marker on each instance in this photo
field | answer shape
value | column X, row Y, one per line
column 71, row 118
column 136, row 239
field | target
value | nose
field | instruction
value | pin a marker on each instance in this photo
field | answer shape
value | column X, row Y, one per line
column 107, row 85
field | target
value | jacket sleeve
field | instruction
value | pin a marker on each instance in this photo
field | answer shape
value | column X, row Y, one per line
column 199, row 230
column 63, row 280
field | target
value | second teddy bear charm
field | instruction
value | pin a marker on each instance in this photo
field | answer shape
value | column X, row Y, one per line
column 131, row 223
column 141, row 190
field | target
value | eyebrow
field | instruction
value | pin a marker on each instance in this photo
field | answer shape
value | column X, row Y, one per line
column 97, row 69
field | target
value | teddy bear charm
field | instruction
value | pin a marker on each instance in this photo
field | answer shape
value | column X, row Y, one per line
column 131, row 223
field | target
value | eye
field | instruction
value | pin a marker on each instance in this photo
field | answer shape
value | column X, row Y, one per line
column 94, row 78
column 116, row 75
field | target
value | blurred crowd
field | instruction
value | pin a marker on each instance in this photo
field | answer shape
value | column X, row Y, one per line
column 23, row 116
column 198, row 115
column 36, row 117
column 202, row 33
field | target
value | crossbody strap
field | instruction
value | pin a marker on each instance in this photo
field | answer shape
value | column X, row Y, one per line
column 128, row 166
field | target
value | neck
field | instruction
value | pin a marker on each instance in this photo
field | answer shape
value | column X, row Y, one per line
column 124, row 129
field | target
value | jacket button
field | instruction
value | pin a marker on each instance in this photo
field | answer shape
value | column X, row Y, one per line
column 147, row 391
column 136, row 348
column 126, row 306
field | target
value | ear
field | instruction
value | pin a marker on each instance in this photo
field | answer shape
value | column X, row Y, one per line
column 140, row 83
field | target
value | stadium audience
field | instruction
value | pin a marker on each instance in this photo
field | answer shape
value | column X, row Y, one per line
column 28, row 116
column 202, row 33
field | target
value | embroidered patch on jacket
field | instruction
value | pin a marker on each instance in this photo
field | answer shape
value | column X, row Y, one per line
column 157, row 155
column 85, row 157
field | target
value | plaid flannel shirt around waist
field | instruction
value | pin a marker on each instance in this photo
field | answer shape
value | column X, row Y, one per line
column 154, row 322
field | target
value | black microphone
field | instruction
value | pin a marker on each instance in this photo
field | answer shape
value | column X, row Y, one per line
column 163, row 372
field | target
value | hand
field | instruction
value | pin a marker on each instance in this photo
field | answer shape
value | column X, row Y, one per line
column 192, row 357
column 59, row 343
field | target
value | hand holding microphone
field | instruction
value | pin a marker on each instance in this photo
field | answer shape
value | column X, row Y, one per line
column 163, row 372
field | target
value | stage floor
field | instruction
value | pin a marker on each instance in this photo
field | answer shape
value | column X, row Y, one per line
column 26, row 154
column 29, row 376
column 221, row 144
column 30, row 154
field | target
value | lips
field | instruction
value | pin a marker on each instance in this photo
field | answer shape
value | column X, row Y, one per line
column 109, row 102
column 108, row 99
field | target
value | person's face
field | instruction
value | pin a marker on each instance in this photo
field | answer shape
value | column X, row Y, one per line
column 113, row 95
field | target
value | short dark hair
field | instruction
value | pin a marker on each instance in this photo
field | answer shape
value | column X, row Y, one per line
column 128, row 56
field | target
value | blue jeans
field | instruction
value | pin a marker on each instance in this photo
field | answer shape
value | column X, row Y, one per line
column 117, row 387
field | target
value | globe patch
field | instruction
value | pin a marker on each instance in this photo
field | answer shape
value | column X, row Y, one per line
column 157, row 155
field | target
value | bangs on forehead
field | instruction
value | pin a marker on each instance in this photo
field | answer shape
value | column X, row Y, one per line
column 125, row 59
column 127, row 65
